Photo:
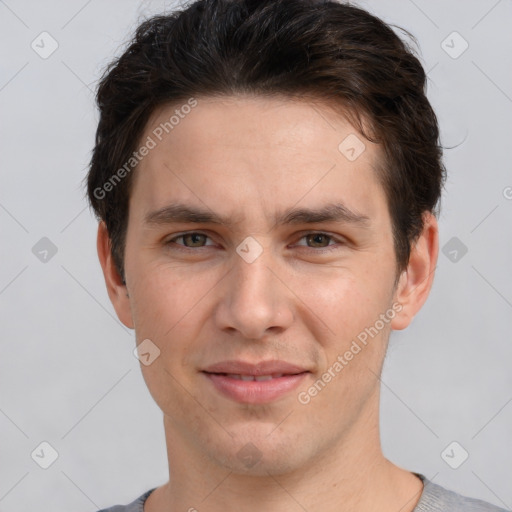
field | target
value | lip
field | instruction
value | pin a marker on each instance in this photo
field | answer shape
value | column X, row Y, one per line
column 254, row 369
column 255, row 392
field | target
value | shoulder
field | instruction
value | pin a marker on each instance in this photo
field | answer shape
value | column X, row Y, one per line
column 136, row 505
column 436, row 498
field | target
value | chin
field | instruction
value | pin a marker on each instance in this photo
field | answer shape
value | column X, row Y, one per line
column 260, row 455
column 264, row 466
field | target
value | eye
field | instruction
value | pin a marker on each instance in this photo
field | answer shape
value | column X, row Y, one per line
column 190, row 240
column 319, row 240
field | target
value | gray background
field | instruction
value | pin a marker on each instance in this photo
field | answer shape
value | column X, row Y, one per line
column 67, row 372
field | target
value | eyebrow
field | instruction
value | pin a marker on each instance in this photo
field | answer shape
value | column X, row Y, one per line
column 183, row 213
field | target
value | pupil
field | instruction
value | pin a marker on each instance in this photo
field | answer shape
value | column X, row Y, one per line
column 316, row 238
column 194, row 238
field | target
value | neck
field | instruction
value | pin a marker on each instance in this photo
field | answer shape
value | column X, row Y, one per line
column 351, row 474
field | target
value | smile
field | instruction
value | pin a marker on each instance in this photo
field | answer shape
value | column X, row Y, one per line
column 248, row 378
column 254, row 389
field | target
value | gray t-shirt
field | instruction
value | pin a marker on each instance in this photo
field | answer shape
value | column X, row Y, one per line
column 434, row 498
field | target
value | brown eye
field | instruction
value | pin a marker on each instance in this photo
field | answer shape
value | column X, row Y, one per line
column 190, row 240
column 195, row 239
column 319, row 242
column 318, row 239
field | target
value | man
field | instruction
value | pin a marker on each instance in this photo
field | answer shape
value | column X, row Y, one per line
column 266, row 175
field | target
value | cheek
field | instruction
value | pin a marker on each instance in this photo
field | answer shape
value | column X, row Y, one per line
column 171, row 307
column 167, row 308
column 166, row 297
column 343, row 303
column 352, row 349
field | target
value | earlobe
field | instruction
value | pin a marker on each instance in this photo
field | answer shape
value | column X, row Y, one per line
column 116, row 288
column 416, row 281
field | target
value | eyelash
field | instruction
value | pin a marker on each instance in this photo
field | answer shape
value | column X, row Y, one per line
column 180, row 247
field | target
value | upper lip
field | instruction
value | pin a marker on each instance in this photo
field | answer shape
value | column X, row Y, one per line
column 255, row 369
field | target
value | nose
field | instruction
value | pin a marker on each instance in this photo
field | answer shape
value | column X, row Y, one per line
column 254, row 299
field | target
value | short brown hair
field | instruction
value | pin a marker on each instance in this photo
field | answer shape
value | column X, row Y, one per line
column 321, row 49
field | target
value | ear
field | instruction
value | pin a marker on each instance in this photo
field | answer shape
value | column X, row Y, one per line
column 117, row 291
column 416, row 281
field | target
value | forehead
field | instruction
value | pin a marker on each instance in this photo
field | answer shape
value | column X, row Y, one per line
column 252, row 121
column 234, row 152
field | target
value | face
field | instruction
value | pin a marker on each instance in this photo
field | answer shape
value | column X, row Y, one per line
column 286, row 270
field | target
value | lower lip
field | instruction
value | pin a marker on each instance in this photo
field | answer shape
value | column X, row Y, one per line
column 255, row 392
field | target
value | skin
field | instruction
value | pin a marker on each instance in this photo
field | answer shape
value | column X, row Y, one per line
column 249, row 158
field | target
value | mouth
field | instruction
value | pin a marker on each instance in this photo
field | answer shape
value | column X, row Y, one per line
column 249, row 378
column 249, row 389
